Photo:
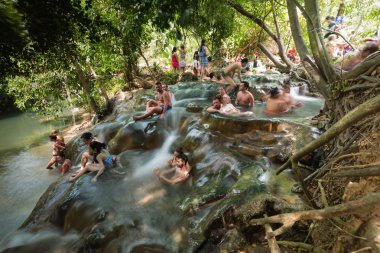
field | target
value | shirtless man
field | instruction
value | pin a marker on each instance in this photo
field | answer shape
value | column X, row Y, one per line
column 159, row 101
column 181, row 171
column 244, row 98
column 275, row 103
column 231, row 69
column 288, row 98
column 160, row 107
column 216, row 104
column 165, row 87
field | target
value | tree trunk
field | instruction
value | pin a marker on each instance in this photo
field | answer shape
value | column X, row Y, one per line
column 101, row 86
column 280, row 43
column 316, row 43
column 85, row 85
column 296, row 30
column 341, row 9
column 273, row 58
column 271, row 34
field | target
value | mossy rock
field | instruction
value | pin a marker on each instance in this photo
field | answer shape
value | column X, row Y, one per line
column 192, row 107
column 188, row 77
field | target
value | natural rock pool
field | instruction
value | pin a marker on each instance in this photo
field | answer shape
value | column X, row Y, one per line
column 129, row 210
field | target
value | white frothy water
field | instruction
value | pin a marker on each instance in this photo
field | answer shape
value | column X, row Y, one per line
column 294, row 92
column 159, row 158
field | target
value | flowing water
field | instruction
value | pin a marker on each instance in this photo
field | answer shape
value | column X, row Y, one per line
column 131, row 194
column 24, row 152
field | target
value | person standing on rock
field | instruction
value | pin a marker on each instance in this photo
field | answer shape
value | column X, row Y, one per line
column 175, row 63
column 101, row 159
column 203, row 52
column 182, row 56
column 160, row 108
column 244, row 98
column 230, row 71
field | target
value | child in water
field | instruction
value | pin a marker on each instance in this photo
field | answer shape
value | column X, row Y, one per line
column 66, row 164
column 58, row 148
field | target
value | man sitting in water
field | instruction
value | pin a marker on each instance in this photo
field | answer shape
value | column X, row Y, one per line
column 231, row 69
column 181, row 171
column 244, row 98
column 288, row 98
column 161, row 107
column 216, row 104
column 275, row 103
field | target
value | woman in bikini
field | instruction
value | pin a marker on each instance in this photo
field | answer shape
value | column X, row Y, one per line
column 101, row 160
column 175, row 63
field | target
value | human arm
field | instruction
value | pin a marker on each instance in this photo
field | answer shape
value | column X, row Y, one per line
column 251, row 99
column 100, row 158
column 174, row 180
column 211, row 109
column 237, row 99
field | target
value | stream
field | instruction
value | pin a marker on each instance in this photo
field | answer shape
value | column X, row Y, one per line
column 128, row 209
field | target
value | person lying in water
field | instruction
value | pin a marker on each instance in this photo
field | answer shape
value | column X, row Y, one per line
column 216, row 104
column 101, row 160
column 159, row 108
column 181, row 171
column 228, row 109
column 275, row 103
column 223, row 93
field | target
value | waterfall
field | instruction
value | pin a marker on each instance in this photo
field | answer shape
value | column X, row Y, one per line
column 295, row 93
column 159, row 158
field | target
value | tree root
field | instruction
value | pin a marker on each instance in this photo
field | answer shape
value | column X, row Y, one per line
column 272, row 242
column 302, row 246
column 359, row 166
column 368, row 172
column 365, row 109
column 369, row 201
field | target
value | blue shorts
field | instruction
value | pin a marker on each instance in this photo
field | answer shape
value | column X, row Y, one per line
column 168, row 108
column 108, row 162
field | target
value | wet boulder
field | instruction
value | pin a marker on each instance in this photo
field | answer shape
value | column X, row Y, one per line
column 238, row 125
column 136, row 135
column 192, row 107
